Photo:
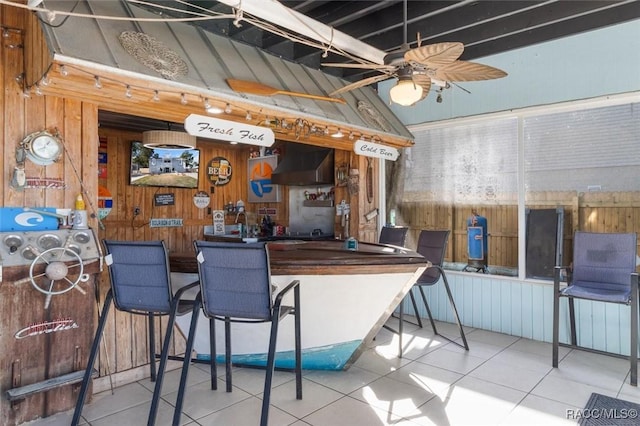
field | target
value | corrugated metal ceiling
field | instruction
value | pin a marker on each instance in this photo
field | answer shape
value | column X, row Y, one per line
column 211, row 59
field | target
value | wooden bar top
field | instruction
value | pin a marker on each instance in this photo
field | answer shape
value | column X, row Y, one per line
column 294, row 257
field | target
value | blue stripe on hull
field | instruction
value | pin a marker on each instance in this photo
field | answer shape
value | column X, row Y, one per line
column 331, row 357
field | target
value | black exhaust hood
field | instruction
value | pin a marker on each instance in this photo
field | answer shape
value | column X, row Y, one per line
column 304, row 165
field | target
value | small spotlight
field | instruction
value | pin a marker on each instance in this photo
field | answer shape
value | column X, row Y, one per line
column 98, row 83
column 183, row 99
column 439, row 98
column 213, row 109
column 248, row 116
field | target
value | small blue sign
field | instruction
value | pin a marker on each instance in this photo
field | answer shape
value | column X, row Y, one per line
column 19, row 219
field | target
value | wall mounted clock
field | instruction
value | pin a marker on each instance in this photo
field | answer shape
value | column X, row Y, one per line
column 42, row 147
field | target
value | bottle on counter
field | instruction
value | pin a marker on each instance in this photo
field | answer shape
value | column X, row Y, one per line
column 351, row 244
column 79, row 203
column 80, row 220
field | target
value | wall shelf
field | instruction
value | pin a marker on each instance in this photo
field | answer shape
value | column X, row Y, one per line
column 317, row 203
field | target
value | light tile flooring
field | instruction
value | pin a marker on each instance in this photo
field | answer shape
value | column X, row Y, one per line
column 502, row 380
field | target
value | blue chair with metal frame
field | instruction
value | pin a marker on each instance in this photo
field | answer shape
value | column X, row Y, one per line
column 604, row 270
column 140, row 284
column 393, row 235
column 432, row 244
column 235, row 286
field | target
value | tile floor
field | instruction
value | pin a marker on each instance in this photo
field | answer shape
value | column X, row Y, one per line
column 502, row 380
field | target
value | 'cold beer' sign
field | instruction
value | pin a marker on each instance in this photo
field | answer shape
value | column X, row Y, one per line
column 376, row 150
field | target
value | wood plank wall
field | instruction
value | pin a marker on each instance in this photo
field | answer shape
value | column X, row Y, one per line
column 34, row 359
column 591, row 211
column 124, row 349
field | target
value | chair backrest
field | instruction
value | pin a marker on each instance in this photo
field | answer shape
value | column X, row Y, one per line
column 394, row 235
column 235, row 279
column 432, row 245
column 139, row 274
column 604, row 260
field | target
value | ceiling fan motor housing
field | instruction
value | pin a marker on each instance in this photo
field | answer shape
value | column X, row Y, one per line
column 395, row 58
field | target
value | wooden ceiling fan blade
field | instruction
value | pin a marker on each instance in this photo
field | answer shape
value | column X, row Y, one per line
column 255, row 88
column 468, row 71
column 359, row 66
column 423, row 81
column 435, row 55
column 361, row 83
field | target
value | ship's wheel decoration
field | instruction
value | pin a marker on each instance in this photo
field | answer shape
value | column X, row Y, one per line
column 373, row 117
column 153, row 54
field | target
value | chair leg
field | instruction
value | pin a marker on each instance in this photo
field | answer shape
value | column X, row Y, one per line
column 164, row 356
column 633, row 356
column 426, row 305
column 415, row 308
column 464, row 344
column 187, row 360
column 92, row 359
column 227, row 352
column 212, row 350
column 572, row 321
column 298, row 338
column 455, row 313
column 556, row 318
column 400, row 327
column 271, row 355
column 152, row 346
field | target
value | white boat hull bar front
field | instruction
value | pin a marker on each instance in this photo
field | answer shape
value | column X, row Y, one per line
column 338, row 314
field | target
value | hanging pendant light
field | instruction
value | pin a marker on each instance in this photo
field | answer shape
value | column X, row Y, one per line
column 168, row 139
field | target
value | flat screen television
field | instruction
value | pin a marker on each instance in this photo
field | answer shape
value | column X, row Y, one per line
column 171, row 168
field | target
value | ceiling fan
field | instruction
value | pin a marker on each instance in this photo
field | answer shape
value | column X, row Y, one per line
column 416, row 69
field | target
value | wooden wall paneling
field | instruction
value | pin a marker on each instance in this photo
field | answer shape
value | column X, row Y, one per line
column 38, row 59
column 14, row 106
column 71, row 132
column 356, row 200
column 88, row 123
column 368, row 230
column 27, row 353
column 140, row 339
column 54, row 118
column 5, row 172
column 341, row 158
column 35, row 120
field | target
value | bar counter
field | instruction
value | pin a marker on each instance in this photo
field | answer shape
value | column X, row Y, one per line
column 346, row 297
column 321, row 258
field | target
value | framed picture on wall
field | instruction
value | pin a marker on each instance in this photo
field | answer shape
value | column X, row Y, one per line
column 261, row 190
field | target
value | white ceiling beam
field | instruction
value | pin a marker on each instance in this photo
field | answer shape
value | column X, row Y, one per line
column 274, row 12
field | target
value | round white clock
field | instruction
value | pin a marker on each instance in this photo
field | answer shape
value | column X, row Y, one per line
column 42, row 148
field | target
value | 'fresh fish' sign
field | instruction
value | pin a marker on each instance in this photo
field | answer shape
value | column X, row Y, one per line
column 215, row 128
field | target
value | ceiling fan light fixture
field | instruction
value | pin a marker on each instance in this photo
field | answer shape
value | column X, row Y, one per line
column 167, row 139
column 405, row 92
